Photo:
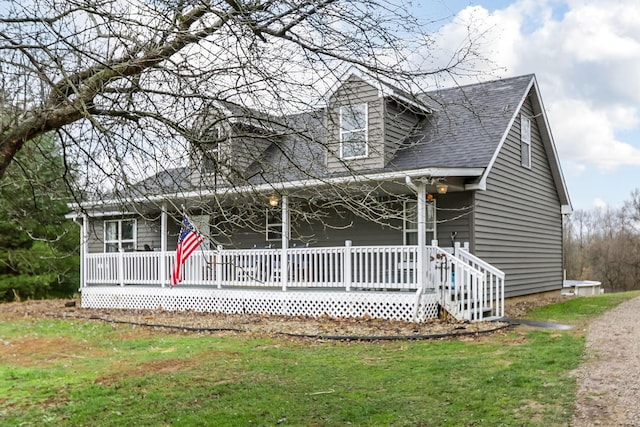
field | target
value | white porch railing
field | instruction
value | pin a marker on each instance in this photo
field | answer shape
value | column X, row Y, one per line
column 467, row 285
column 379, row 267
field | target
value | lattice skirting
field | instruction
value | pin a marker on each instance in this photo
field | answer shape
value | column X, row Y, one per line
column 316, row 303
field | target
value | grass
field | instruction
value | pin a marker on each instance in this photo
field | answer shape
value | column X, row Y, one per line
column 79, row 373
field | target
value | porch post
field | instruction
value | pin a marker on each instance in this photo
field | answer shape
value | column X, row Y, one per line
column 84, row 249
column 163, row 246
column 422, row 235
column 217, row 263
column 284, row 262
column 348, row 267
column 121, row 266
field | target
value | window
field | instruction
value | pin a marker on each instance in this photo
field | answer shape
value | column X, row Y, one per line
column 210, row 150
column 273, row 224
column 525, row 141
column 353, row 131
column 410, row 222
column 210, row 159
column 119, row 234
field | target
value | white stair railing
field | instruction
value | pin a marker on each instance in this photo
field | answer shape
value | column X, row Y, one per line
column 492, row 293
column 460, row 284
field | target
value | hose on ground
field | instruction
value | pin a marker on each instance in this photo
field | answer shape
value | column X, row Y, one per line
column 204, row 329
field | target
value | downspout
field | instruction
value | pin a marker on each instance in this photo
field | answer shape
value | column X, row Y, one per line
column 284, row 262
column 422, row 235
column 84, row 238
column 163, row 245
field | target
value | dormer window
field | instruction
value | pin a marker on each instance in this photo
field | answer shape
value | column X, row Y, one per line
column 210, row 151
column 210, row 158
column 353, row 131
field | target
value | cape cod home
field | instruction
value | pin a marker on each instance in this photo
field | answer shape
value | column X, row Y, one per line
column 377, row 204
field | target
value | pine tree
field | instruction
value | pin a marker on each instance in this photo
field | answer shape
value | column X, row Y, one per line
column 38, row 246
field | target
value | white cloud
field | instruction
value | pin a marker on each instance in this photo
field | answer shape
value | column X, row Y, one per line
column 598, row 203
column 587, row 59
column 586, row 134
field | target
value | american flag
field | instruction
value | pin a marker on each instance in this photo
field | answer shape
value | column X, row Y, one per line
column 188, row 241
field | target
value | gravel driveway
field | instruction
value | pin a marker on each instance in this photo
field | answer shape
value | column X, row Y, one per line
column 609, row 380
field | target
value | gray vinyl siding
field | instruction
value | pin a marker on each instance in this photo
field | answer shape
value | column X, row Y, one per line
column 453, row 214
column 236, row 155
column 147, row 233
column 355, row 91
column 518, row 221
column 334, row 231
column 399, row 124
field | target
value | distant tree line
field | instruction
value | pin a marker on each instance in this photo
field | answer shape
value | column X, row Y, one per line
column 603, row 244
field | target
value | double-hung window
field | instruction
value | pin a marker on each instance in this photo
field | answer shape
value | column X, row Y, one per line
column 119, row 234
column 211, row 152
column 353, row 131
column 210, row 159
column 525, row 141
column 410, row 222
column 273, row 224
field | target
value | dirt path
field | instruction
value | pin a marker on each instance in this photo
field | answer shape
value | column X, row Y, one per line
column 609, row 380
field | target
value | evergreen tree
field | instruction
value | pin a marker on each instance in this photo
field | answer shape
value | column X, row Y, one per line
column 38, row 246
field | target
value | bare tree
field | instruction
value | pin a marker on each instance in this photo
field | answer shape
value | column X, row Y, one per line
column 604, row 245
column 132, row 86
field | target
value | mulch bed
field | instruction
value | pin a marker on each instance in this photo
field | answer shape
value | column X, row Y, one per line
column 303, row 327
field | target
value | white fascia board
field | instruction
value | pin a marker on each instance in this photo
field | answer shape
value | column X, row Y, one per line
column 554, row 159
column 482, row 184
column 384, row 89
column 95, row 213
column 399, row 176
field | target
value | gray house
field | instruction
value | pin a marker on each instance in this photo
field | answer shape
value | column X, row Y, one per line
column 377, row 204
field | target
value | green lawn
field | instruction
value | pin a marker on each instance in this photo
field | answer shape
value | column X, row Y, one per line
column 87, row 373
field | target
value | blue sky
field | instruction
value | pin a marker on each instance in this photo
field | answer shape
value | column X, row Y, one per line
column 586, row 56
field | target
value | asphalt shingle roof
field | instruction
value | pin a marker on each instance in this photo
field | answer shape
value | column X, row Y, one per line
column 464, row 131
column 467, row 126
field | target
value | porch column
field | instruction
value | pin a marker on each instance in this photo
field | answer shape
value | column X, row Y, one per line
column 422, row 235
column 84, row 249
column 163, row 246
column 284, row 262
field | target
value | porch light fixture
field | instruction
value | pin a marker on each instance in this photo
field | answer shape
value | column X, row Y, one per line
column 442, row 188
column 274, row 200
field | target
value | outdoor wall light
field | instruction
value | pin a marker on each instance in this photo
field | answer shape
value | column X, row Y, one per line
column 442, row 188
column 274, row 200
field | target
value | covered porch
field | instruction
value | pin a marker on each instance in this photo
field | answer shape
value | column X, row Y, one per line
column 412, row 282
column 390, row 282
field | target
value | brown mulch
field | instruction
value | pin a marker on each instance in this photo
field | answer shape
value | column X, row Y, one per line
column 363, row 328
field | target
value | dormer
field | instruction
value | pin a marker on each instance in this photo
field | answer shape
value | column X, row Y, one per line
column 229, row 140
column 367, row 121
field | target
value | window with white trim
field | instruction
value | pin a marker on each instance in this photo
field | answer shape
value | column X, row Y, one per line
column 210, row 159
column 211, row 151
column 273, row 224
column 353, row 131
column 525, row 141
column 119, row 234
column 410, row 222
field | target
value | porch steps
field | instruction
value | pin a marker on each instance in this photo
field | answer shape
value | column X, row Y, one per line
column 462, row 307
